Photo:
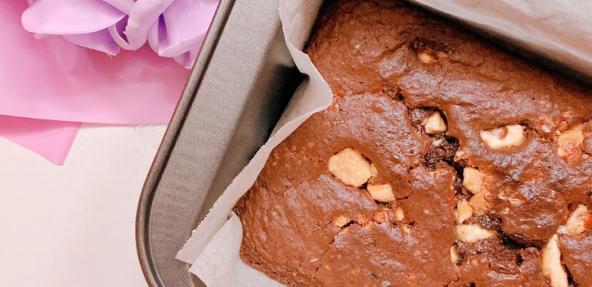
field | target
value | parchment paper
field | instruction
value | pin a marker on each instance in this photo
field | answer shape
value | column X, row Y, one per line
column 558, row 29
column 561, row 29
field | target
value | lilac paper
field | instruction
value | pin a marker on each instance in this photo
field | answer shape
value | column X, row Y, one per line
column 174, row 28
column 175, row 36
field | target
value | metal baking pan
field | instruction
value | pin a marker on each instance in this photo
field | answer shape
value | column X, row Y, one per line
column 241, row 83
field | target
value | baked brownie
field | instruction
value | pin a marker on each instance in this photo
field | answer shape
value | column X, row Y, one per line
column 443, row 161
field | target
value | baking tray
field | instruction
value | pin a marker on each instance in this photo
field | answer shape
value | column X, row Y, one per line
column 240, row 84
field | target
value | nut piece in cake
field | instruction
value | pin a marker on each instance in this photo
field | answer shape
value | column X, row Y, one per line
column 434, row 124
column 504, row 137
column 463, row 211
column 473, row 180
column 578, row 222
column 471, row 233
column 552, row 267
column 570, row 144
column 350, row 167
column 381, row 192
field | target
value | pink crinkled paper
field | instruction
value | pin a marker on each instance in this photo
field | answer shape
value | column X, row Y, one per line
column 49, row 83
column 52, row 139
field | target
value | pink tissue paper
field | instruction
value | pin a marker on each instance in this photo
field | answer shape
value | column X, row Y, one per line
column 52, row 139
column 51, row 84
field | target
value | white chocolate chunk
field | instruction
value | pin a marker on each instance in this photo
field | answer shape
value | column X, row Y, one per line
column 479, row 203
column 454, row 255
column 341, row 221
column 552, row 267
column 463, row 211
column 570, row 141
column 473, row 180
column 373, row 170
column 381, row 192
column 471, row 233
column 425, row 57
column 399, row 214
column 504, row 137
column 573, row 136
column 406, row 229
column 577, row 222
column 438, row 142
column 350, row 167
column 435, row 124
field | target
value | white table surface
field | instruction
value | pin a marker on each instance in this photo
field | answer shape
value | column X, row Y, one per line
column 73, row 225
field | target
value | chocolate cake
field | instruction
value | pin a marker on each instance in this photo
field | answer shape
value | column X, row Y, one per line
column 444, row 160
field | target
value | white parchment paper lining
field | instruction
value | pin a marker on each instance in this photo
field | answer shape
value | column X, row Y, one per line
column 560, row 29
